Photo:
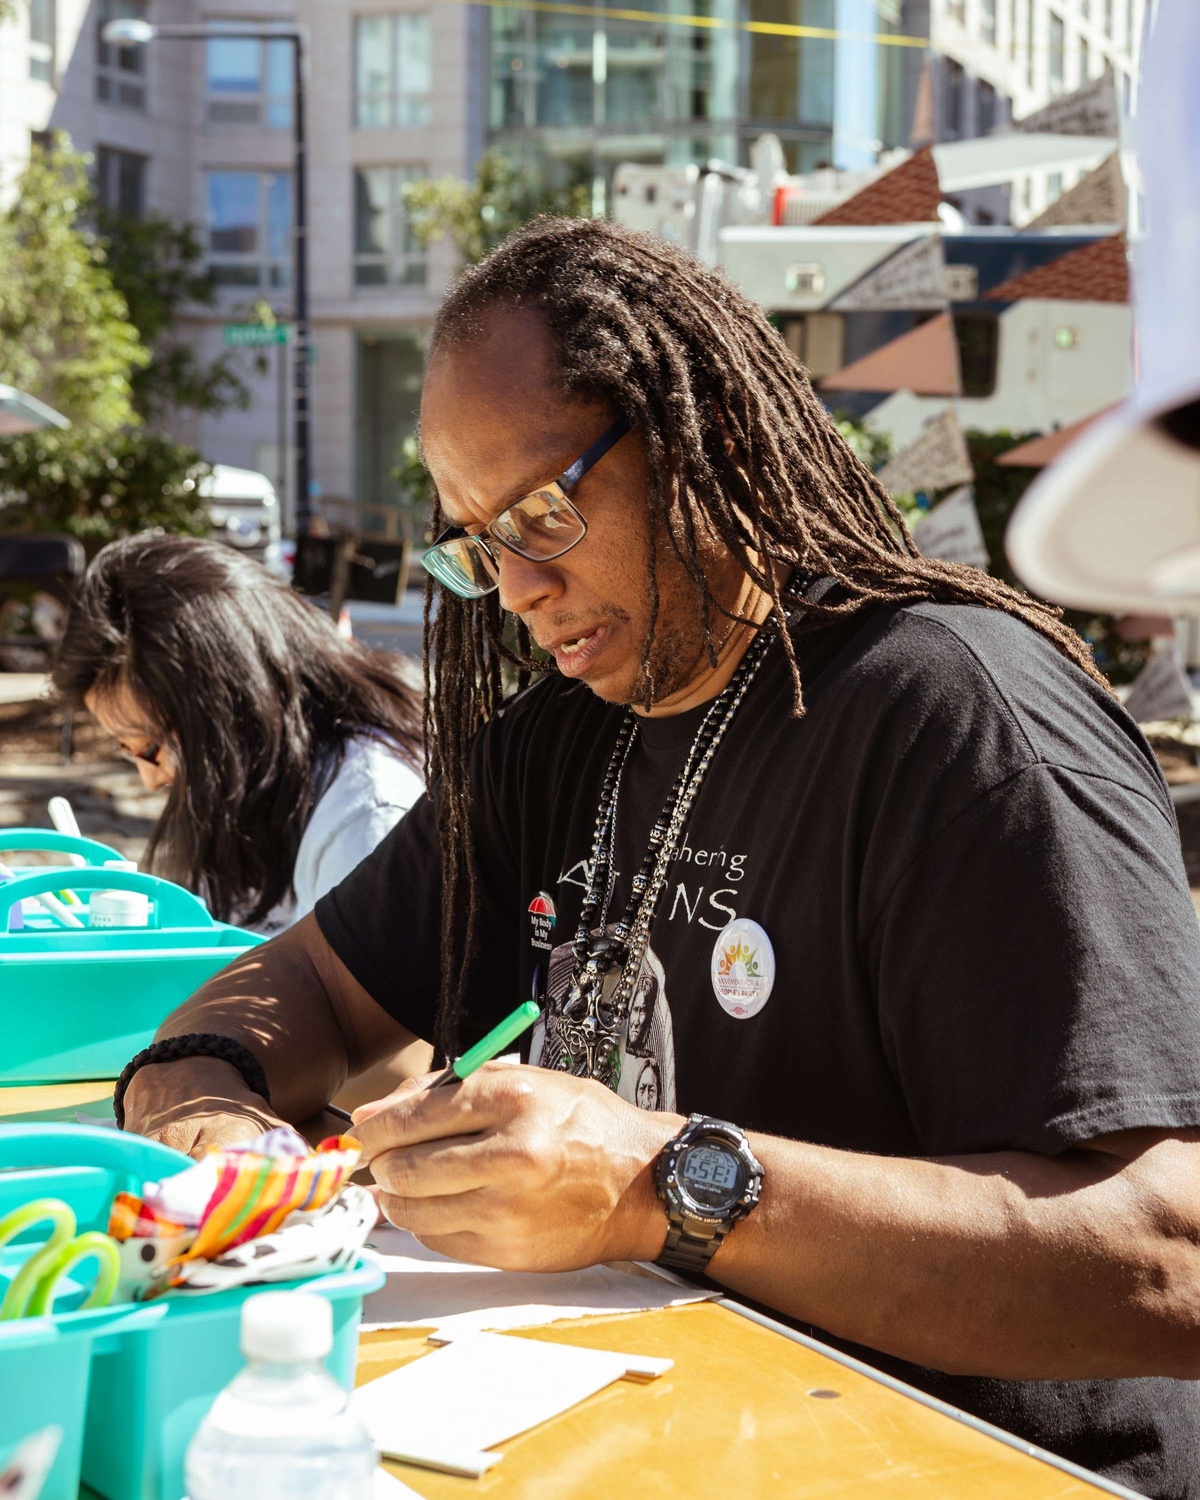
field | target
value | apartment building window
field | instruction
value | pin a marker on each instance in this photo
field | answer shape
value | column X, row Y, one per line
column 250, row 228
column 121, row 181
column 1108, row 19
column 120, row 71
column 386, row 252
column 1132, row 39
column 392, row 73
column 249, row 82
column 1054, row 186
column 956, row 10
column 956, row 80
column 1058, row 52
column 41, row 40
column 987, row 21
column 1085, row 60
column 988, row 112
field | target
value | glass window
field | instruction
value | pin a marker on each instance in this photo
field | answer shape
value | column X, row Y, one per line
column 987, row 109
column 1058, row 51
column 41, row 40
column 955, row 98
column 386, row 252
column 121, row 182
column 1133, row 39
column 249, row 82
column 1085, row 60
column 1108, row 18
column 987, row 21
column 249, row 228
column 392, row 70
column 1054, row 186
column 957, row 10
column 120, row 71
column 791, row 78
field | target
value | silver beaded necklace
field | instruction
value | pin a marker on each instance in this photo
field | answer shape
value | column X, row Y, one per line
column 590, row 1025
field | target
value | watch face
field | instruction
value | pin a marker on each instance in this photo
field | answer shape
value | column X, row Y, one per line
column 711, row 1174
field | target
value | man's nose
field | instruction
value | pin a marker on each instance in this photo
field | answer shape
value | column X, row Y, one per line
column 525, row 584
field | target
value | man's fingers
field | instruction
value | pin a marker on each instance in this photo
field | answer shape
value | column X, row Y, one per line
column 413, row 1085
column 424, row 1114
column 457, row 1215
column 433, row 1169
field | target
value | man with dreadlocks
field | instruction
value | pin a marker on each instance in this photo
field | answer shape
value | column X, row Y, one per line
column 841, row 862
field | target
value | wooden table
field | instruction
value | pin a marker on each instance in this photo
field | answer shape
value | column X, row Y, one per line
column 749, row 1409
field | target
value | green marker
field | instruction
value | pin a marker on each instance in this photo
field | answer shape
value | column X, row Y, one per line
column 491, row 1046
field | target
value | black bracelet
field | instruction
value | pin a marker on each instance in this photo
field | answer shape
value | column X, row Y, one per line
column 195, row 1044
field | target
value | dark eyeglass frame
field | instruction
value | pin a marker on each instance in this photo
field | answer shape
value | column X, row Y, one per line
column 487, row 541
column 150, row 754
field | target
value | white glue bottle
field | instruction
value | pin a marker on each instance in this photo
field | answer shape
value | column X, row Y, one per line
column 119, row 908
column 283, row 1428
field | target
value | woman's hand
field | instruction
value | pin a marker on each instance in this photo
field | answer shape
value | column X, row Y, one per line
column 519, row 1168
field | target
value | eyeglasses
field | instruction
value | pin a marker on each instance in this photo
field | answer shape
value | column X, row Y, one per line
column 150, row 754
column 539, row 527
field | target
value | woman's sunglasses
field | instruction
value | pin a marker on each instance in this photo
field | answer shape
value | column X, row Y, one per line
column 150, row 754
column 539, row 527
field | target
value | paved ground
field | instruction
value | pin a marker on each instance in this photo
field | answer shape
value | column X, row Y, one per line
column 109, row 800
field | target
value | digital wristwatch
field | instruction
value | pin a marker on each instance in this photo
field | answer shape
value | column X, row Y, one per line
column 709, row 1180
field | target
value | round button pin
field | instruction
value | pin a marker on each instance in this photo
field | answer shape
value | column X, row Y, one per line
column 743, row 969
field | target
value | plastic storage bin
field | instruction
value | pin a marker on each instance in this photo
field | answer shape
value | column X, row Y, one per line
column 128, row 1385
column 77, row 1003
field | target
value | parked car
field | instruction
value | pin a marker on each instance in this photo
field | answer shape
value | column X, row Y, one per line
column 245, row 512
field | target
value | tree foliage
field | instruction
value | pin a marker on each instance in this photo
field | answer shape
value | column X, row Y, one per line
column 157, row 264
column 99, row 487
column 65, row 331
column 475, row 216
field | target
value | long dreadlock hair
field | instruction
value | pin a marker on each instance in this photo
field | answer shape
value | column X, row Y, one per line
column 739, row 448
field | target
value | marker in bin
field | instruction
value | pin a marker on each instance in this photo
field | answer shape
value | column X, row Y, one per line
column 482, row 1052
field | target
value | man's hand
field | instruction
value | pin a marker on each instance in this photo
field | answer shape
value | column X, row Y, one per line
column 519, row 1168
column 194, row 1103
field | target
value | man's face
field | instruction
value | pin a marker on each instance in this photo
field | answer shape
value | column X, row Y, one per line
column 494, row 426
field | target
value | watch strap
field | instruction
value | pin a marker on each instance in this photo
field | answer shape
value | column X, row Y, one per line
column 689, row 1252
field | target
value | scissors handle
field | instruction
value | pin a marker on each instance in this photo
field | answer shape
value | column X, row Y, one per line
column 32, row 1291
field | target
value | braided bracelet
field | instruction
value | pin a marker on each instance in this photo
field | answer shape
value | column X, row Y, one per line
column 195, row 1044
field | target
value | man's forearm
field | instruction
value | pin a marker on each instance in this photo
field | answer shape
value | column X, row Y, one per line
column 1010, row 1265
column 274, row 1001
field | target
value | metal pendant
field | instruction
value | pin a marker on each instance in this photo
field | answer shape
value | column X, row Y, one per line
column 589, row 1028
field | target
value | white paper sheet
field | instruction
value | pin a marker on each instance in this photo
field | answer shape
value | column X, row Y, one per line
column 480, row 1391
column 426, row 1290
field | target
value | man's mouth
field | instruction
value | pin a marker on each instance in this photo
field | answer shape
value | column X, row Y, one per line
column 574, row 656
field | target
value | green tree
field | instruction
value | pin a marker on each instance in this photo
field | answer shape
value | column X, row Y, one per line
column 475, row 216
column 101, row 488
column 65, row 332
column 157, row 264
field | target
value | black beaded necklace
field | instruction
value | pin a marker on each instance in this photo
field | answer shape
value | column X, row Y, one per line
column 589, row 1027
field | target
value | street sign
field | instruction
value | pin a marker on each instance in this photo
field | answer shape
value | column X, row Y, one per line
column 257, row 335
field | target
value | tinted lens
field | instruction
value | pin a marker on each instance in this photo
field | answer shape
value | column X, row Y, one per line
column 462, row 566
column 542, row 526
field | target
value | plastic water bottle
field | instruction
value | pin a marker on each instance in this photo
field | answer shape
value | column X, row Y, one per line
column 283, row 1428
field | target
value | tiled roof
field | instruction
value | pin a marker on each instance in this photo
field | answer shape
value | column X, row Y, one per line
column 908, row 194
column 1098, row 272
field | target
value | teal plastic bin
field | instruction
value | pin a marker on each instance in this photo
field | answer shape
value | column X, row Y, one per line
column 77, row 1003
column 128, row 1385
column 14, row 841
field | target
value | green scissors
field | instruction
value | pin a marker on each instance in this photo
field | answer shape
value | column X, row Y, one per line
column 32, row 1291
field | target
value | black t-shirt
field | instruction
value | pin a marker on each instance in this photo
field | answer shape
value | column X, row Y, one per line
column 962, row 925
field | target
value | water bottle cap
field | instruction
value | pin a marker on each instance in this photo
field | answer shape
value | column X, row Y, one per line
column 285, row 1327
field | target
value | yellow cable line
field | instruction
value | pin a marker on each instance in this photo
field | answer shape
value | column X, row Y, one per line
column 706, row 23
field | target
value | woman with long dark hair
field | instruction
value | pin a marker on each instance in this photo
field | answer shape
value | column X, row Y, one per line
column 286, row 752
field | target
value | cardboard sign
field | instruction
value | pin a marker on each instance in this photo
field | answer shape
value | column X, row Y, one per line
column 1160, row 690
column 912, row 278
column 937, row 459
column 951, row 531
